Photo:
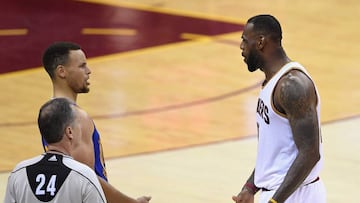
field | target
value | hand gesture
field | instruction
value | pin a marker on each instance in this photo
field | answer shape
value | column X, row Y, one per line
column 143, row 199
column 245, row 196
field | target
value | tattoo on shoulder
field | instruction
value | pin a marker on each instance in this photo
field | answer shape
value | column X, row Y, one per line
column 293, row 94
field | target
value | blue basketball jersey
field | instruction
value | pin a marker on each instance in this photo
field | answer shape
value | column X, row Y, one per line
column 100, row 168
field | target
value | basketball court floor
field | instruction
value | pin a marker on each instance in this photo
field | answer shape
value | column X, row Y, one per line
column 170, row 94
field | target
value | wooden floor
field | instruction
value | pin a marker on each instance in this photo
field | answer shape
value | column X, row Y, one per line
column 177, row 120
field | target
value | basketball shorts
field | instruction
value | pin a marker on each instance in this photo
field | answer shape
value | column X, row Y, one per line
column 314, row 192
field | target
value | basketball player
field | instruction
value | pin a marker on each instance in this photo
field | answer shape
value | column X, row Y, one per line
column 54, row 176
column 289, row 157
column 65, row 62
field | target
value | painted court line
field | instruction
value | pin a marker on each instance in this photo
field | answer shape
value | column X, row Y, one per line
column 165, row 10
column 13, row 32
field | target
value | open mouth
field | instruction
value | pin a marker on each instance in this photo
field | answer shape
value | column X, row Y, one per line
column 244, row 57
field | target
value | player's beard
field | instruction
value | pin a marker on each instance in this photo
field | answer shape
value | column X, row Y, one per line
column 84, row 89
column 253, row 61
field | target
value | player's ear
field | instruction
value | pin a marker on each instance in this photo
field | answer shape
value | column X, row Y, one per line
column 260, row 42
column 60, row 71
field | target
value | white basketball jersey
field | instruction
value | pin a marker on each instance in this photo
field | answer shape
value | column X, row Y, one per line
column 276, row 147
column 53, row 178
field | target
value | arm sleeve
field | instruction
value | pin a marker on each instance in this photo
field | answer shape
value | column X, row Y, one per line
column 10, row 192
column 93, row 194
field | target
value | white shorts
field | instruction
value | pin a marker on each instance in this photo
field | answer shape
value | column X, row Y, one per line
column 314, row 192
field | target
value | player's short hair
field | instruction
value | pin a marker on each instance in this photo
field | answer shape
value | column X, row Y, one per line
column 267, row 25
column 57, row 54
column 54, row 116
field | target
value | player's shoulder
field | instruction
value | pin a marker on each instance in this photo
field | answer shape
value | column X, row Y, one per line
column 295, row 75
column 293, row 86
column 297, row 71
column 295, row 80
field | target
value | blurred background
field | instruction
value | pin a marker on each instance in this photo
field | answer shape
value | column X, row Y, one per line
column 170, row 93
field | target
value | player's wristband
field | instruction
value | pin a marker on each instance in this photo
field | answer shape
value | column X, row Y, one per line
column 251, row 188
column 272, row 201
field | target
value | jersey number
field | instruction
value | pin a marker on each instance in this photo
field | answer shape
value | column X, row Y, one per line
column 50, row 188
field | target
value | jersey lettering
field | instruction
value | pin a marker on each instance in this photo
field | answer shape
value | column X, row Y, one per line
column 47, row 176
column 263, row 111
column 50, row 188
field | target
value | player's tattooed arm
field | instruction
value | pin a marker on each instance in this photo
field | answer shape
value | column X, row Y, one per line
column 296, row 97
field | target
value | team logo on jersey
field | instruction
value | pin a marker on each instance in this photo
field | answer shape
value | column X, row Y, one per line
column 53, row 158
column 263, row 111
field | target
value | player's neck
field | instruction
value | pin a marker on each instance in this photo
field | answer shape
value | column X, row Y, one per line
column 273, row 66
column 57, row 150
column 66, row 94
